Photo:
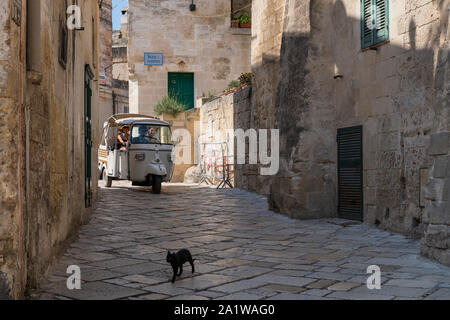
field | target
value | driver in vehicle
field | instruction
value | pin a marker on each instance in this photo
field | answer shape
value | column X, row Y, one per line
column 142, row 138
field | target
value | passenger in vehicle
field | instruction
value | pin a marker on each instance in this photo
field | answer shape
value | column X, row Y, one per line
column 151, row 135
column 122, row 138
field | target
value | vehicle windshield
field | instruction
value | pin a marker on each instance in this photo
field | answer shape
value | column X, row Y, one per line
column 151, row 134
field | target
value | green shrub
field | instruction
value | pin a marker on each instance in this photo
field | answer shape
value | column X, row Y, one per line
column 233, row 84
column 211, row 97
column 169, row 105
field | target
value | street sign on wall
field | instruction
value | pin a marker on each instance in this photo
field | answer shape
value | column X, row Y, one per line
column 153, row 59
column 102, row 76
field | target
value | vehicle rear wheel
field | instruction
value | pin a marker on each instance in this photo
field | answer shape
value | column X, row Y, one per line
column 107, row 181
column 156, row 185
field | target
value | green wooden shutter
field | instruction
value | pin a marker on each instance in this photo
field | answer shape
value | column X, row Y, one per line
column 367, row 20
column 374, row 22
column 382, row 18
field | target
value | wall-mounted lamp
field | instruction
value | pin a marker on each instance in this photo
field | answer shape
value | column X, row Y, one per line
column 192, row 7
column 337, row 74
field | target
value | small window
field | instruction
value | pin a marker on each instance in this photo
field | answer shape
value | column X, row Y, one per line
column 374, row 22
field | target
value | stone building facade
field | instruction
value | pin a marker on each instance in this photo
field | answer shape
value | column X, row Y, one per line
column 317, row 83
column 106, row 63
column 199, row 46
column 113, row 76
column 120, row 49
column 120, row 65
column 47, row 78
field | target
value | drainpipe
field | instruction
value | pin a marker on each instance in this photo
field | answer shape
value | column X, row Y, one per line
column 114, row 95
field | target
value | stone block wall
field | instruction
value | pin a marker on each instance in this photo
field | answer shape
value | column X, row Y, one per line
column 287, row 74
column 105, row 63
column 436, row 240
column 186, row 123
column 10, row 206
column 218, row 121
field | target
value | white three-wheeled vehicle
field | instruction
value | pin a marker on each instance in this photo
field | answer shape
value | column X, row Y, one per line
column 146, row 159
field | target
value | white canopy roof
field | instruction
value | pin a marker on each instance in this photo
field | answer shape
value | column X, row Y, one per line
column 129, row 119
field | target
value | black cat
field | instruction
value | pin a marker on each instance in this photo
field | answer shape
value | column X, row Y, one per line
column 178, row 259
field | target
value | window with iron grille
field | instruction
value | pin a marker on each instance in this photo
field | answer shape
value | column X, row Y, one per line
column 374, row 22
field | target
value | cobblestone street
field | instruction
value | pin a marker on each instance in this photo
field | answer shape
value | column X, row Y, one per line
column 242, row 251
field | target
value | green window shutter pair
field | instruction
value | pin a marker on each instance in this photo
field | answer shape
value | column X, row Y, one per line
column 374, row 22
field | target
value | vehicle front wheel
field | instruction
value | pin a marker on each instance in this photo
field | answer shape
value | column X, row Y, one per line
column 156, row 185
column 107, row 181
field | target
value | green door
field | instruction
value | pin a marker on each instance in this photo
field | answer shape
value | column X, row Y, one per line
column 88, row 76
column 181, row 85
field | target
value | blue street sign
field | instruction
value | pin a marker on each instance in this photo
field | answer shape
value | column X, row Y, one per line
column 153, row 59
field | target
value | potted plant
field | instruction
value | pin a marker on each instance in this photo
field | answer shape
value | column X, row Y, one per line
column 234, row 21
column 245, row 21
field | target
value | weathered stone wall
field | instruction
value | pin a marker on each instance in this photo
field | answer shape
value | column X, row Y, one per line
column 120, row 68
column 42, row 157
column 436, row 240
column 244, row 174
column 120, row 96
column 185, row 125
column 218, row 121
column 106, row 42
column 398, row 93
column 9, row 156
column 106, row 60
column 199, row 42
column 285, row 51
column 120, row 49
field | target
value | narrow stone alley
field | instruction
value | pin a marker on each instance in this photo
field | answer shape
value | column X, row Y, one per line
column 242, row 251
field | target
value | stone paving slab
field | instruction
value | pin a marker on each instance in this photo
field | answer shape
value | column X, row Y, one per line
column 96, row 291
column 242, row 251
